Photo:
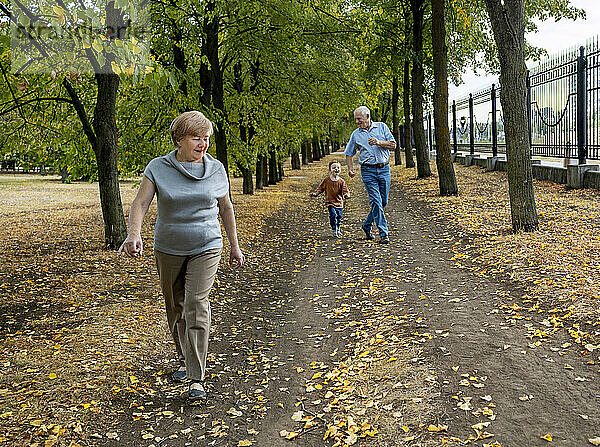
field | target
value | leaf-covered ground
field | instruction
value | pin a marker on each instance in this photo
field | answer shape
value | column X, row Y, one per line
column 457, row 333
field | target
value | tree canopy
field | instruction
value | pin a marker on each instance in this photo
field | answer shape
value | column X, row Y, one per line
column 288, row 70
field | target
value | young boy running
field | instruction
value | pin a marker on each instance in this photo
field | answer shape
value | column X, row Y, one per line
column 335, row 192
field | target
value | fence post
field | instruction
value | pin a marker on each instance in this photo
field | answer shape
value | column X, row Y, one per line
column 528, row 82
column 471, row 131
column 494, row 124
column 454, row 126
column 581, row 107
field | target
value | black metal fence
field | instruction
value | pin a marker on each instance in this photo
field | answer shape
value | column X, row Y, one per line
column 564, row 110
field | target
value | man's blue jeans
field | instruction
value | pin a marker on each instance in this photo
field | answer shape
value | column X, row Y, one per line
column 377, row 183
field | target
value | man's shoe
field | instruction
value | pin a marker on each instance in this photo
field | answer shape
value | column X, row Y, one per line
column 180, row 375
column 334, row 233
column 339, row 232
column 384, row 240
column 368, row 235
column 197, row 390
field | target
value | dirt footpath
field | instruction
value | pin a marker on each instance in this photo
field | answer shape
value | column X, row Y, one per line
column 494, row 368
column 369, row 345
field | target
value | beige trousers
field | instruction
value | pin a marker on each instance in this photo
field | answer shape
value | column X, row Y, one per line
column 185, row 282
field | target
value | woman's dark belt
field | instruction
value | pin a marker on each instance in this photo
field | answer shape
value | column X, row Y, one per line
column 377, row 165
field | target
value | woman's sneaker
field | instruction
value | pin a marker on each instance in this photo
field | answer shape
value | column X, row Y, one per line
column 197, row 390
column 180, row 375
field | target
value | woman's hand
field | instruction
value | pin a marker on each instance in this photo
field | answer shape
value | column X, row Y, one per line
column 132, row 246
column 236, row 258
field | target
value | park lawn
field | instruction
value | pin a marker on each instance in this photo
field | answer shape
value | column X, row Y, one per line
column 557, row 266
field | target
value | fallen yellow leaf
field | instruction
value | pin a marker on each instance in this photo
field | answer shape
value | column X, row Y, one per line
column 547, row 437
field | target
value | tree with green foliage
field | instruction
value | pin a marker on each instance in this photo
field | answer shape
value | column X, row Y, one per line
column 508, row 23
column 445, row 168
column 509, row 19
column 418, row 8
column 99, row 129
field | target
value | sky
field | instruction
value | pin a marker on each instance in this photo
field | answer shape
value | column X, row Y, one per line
column 552, row 36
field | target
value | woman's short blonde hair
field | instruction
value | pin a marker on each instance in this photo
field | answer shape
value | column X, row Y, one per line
column 192, row 123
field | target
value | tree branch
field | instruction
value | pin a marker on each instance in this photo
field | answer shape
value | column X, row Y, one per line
column 30, row 101
column 81, row 113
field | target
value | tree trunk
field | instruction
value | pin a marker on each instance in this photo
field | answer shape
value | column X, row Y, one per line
column 206, row 84
column 508, row 25
column 180, row 62
column 445, row 168
column 418, row 77
column 296, row 160
column 304, row 150
column 395, row 121
column 106, row 150
column 408, row 147
column 246, row 135
column 386, row 107
column 248, row 184
column 106, row 143
column 210, row 48
column 279, row 171
column 315, row 148
column 309, row 151
column 259, row 172
column 265, row 170
column 272, row 168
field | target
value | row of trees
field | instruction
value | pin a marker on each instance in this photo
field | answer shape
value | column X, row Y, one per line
column 446, row 37
column 276, row 77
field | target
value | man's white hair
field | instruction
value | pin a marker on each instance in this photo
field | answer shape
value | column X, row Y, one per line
column 363, row 110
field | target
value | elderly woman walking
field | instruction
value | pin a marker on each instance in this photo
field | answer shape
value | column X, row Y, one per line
column 192, row 189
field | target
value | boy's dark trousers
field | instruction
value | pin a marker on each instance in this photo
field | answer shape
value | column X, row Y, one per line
column 335, row 217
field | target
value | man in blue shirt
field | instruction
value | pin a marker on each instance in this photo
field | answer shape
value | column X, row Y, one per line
column 373, row 141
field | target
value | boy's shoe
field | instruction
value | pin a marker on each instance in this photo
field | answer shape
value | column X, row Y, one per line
column 197, row 390
column 368, row 235
column 384, row 240
column 339, row 232
column 180, row 375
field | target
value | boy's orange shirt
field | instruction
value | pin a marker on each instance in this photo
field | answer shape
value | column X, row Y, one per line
column 334, row 191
